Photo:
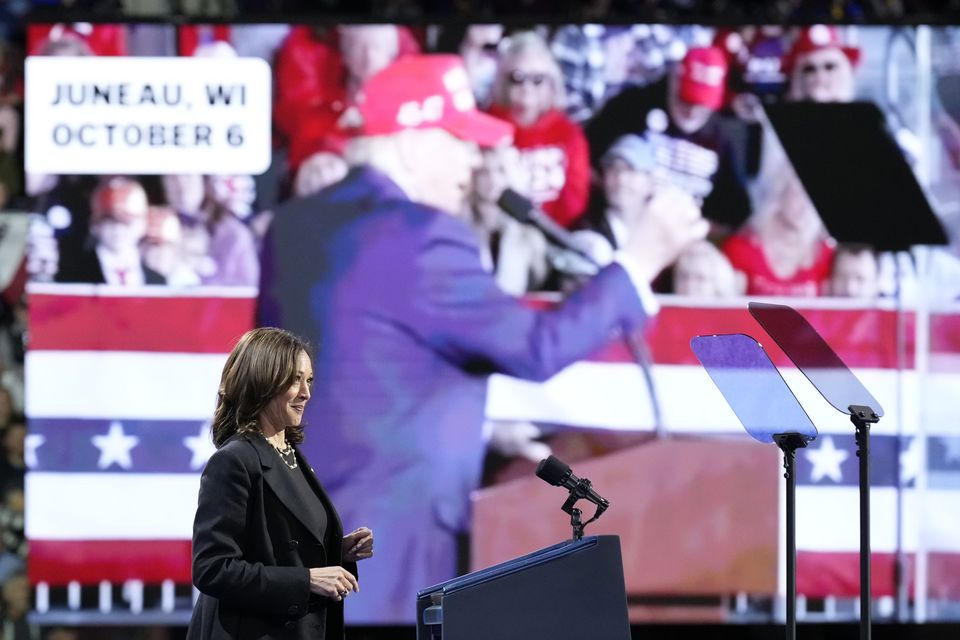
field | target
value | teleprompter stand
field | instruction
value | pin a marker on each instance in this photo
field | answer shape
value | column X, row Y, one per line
column 843, row 390
column 770, row 412
column 789, row 443
column 862, row 417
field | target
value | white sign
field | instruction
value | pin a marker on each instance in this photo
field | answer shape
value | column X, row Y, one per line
column 111, row 115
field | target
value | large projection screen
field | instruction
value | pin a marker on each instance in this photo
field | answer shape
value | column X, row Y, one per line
column 181, row 146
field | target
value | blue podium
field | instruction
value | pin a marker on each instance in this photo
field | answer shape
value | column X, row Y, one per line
column 568, row 591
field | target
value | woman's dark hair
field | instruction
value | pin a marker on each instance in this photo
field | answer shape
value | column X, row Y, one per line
column 262, row 365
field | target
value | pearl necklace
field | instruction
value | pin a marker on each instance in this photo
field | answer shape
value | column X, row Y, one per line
column 286, row 454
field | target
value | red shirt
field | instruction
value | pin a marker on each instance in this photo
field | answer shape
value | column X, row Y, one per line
column 746, row 255
column 554, row 151
column 311, row 93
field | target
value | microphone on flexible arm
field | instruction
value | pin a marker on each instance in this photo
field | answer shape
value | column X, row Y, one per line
column 523, row 210
column 558, row 473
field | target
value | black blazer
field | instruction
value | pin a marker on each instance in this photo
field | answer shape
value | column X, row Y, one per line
column 254, row 538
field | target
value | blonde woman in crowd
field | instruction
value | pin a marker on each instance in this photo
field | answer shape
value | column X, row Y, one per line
column 528, row 92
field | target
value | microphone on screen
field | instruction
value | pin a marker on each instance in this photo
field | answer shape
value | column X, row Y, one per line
column 523, row 210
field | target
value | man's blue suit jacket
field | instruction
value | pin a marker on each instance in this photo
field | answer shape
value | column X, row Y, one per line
column 406, row 324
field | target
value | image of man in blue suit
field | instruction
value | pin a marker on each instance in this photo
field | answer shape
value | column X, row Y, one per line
column 387, row 282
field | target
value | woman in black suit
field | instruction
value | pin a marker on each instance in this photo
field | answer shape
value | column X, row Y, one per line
column 269, row 555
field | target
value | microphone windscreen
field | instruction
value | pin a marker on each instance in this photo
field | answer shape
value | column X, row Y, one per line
column 552, row 470
column 516, row 206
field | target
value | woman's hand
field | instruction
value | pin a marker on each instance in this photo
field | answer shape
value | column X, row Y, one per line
column 332, row 582
column 358, row 545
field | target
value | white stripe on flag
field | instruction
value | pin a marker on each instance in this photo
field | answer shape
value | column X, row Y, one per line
column 940, row 520
column 614, row 396
column 828, row 519
column 115, row 384
column 111, row 506
column 608, row 395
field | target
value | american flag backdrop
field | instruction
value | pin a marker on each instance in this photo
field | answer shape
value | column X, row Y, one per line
column 121, row 385
column 120, row 389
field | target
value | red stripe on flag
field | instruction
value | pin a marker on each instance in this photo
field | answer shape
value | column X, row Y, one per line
column 943, row 575
column 58, row 562
column 114, row 323
column 861, row 337
column 821, row 574
column 945, row 342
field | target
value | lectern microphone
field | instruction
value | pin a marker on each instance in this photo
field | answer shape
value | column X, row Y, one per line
column 558, row 473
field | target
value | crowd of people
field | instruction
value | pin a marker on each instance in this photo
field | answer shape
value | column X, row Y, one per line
column 849, row 10
column 604, row 117
column 14, row 592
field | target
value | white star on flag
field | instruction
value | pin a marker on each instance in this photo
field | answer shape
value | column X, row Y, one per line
column 115, row 447
column 911, row 460
column 826, row 460
column 201, row 445
column 952, row 445
column 31, row 443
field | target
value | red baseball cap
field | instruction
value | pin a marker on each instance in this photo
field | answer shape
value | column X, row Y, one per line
column 815, row 38
column 703, row 77
column 119, row 198
column 424, row 92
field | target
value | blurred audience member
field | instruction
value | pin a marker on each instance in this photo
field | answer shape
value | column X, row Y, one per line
column 515, row 252
column 11, row 119
column 229, row 200
column 12, row 464
column 12, row 334
column 783, row 249
column 598, row 61
column 13, row 546
column 185, row 194
column 679, row 117
column 855, row 272
column 63, row 201
column 163, row 248
column 16, row 604
column 631, row 191
column 218, row 245
column 704, row 272
column 320, row 72
column 821, row 68
column 318, row 171
column 191, row 37
column 528, row 92
column 480, row 52
column 628, row 183
column 57, row 39
column 6, row 408
column 118, row 222
column 13, row 542
column 756, row 59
